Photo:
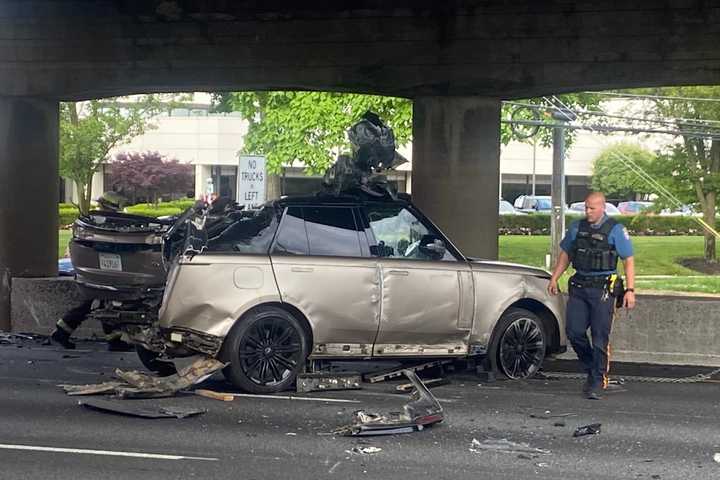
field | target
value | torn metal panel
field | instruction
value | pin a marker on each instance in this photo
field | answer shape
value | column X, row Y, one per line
column 135, row 410
column 96, row 389
column 381, row 377
column 430, row 383
column 423, row 410
column 342, row 350
column 141, row 385
column 315, row 382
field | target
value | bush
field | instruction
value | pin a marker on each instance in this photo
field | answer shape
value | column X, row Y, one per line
column 67, row 213
column 539, row 224
column 161, row 209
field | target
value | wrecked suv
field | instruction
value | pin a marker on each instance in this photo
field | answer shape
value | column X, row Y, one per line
column 341, row 277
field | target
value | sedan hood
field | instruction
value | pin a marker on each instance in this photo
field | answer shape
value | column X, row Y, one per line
column 506, row 267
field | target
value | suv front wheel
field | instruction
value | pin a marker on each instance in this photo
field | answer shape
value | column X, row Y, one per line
column 266, row 350
column 519, row 344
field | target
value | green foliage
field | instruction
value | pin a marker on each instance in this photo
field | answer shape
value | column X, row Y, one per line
column 690, row 169
column 89, row 130
column 161, row 209
column 639, row 225
column 310, row 126
column 67, row 213
column 543, row 136
column 613, row 174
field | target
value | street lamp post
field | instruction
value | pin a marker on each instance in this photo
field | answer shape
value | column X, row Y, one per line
column 557, row 225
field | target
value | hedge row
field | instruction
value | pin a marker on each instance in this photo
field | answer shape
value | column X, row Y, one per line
column 68, row 213
column 538, row 224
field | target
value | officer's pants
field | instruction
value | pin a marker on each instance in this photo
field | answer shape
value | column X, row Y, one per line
column 591, row 308
column 75, row 316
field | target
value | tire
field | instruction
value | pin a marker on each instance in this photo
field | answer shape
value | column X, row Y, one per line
column 266, row 351
column 519, row 344
column 152, row 363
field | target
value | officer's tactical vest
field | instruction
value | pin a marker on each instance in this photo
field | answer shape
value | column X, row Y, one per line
column 591, row 251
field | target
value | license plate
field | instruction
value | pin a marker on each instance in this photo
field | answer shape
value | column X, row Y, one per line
column 110, row 261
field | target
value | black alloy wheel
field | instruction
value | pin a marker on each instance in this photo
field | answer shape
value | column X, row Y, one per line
column 521, row 344
column 266, row 351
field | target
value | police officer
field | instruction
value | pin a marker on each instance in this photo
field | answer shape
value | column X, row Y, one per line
column 593, row 246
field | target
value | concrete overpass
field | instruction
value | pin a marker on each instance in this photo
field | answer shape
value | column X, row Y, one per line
column 457, row 59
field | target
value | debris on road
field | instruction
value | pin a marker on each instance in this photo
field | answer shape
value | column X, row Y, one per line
column 505, row 446
column 548, row 415
column 592, row 429
column 141, row 385
column 423, row 410
column 430, row 383
column 381, row 377
column 134, row 410
column 364, row 450
column 225, row 397
column 716, row 457
column 8, row 338
column 315, row 382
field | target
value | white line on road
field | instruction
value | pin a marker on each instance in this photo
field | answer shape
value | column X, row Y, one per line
column 103, row 452
column 290, row 397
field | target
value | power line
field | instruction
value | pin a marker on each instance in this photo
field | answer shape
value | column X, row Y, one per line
column 684, row 121
column 655, row 97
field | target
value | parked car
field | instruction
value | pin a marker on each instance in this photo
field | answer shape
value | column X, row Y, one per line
column 578, row 208
column 506, row 208
column 342, row 277
column 531, row 204
column 633, row 207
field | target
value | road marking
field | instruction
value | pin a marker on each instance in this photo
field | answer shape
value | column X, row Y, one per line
column 290, row 397
column 111, row 453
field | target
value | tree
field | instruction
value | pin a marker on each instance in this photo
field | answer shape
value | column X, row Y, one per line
column 613, row 175
column 310, row 126
column 149, row 175
column 690, row 169
column 89, row 130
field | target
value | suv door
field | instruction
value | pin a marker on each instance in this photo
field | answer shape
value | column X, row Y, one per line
column 323, row 267
column 427, row 303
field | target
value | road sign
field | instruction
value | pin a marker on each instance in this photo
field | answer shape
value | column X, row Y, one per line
column 251, row 180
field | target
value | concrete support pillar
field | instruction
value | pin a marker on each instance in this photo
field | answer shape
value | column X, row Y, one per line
column 456, row 169
column 29, row 185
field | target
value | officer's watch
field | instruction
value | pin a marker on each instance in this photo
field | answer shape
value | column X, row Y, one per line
column 630, row 290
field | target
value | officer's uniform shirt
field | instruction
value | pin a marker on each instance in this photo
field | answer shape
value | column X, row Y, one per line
column 618, row 237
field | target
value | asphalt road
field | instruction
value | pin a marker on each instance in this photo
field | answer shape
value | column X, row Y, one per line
column 650, row 431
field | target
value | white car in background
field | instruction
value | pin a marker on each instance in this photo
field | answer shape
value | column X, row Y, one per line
column 578, row 208
column 506, row 208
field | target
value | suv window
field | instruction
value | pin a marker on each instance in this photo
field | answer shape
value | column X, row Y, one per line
column 398, row 232
column 332, row 231
column 245, row 232
column 292, row 238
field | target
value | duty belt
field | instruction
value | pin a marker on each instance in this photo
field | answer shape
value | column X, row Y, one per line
column 590, row 281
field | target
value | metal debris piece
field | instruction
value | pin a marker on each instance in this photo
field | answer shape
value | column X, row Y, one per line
column 365, row 450
column 314, row 382
column 373, row 151
column 134, row 410
column 423, row 410
column 430, row 383
column 225, row 397
column 716, row 457
column 96, row 389
column 505, row 446
column 141, row 385
column 547, row 415
column 592, row 429
column 8, row 338
column 381, row 377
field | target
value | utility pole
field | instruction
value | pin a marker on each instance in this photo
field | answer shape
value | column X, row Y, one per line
column 557, row 221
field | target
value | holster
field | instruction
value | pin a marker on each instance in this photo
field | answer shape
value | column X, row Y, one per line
column 617, row 289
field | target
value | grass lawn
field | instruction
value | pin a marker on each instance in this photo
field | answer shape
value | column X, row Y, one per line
column 63, row 239
column 653, row 256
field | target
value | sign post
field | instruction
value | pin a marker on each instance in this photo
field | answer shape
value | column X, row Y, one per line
column 251, row 180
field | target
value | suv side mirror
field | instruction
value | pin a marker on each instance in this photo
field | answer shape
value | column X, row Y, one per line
column 432, row 247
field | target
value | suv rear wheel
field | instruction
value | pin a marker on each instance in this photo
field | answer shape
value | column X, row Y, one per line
column 519, row 344
column 266, row 351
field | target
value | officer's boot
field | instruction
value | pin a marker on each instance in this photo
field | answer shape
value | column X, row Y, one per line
column 61, row 336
